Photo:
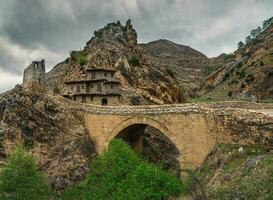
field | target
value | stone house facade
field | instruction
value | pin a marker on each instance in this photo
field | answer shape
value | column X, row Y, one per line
column 35, row 73
column 100, row 87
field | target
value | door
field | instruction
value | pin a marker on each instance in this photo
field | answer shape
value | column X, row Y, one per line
column 104, row 102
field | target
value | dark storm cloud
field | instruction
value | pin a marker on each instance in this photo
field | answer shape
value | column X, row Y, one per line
column 36, row 29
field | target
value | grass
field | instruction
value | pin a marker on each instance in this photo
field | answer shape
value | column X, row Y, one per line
column 236, row 181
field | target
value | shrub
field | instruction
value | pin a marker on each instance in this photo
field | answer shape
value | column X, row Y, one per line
column 270, row 73
column 79, row 57
column 120, row 174
column 242, row 74
column 226, row 76
column 170, row 72
column 209, row 69
column 261, row 63
column 21, row 179
column 250, row 78
column 229, row 57
column 134, row 61
column 243, row 85
column 56, row 89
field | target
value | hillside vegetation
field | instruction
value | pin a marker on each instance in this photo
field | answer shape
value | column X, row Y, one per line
column 233, row 172
column 246, row 74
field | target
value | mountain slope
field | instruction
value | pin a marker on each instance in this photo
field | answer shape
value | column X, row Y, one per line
column 248, row 74
column 52, row 128
column 186, row 63
column 115, row 47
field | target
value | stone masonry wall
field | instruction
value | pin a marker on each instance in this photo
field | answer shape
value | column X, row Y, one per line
column 193, row 128
column 35, row 73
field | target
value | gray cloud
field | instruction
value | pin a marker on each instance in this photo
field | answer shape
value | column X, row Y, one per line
column 35, row 29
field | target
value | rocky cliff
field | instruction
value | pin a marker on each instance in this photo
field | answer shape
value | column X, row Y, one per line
column 51, row 128
column 246, row 74
column 115, row 47
column 186, row 64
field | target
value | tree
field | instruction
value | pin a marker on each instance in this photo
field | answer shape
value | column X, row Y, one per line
column 248, row 40
column 119, row 174
column 21, row 179
column 253, row 33
column 240, row 45
column 267, row 23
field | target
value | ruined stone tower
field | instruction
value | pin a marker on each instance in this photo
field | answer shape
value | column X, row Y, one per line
column 35, row 73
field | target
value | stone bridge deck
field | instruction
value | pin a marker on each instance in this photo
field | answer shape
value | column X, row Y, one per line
column 193, row 128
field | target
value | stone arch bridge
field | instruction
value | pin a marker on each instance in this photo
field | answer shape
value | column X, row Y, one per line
column 193, row 128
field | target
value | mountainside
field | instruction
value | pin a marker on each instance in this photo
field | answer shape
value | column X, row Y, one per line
column 246, row 74
column 115, row 47
column 233, row 172
column 184, row 62
column 51, row 128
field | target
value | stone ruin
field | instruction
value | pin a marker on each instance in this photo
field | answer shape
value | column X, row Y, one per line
column 35, row 73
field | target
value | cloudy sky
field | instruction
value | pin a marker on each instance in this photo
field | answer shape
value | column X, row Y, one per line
column 49, row 29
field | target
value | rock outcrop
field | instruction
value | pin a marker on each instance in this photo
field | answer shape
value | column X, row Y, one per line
column 51, row 128
column 115, row 47
column 183, row 62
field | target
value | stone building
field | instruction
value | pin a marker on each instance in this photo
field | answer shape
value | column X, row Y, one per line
column 35, row 73
column 100, row 87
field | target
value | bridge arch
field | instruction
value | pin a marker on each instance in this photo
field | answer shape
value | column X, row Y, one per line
column 142, row 120
column 145, row 135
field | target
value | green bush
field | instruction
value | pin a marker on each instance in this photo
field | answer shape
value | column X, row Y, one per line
column 226, row 76
column 134, row 61
column 242, row 74
column 79, row 56
column 56, row 89
column 250, row 78
column 120, row 174
column 20, row 179
column 209, row 69
column 170, row 72
column 229, row 57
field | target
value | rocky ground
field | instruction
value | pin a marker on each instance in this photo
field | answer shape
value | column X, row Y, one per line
column 238, row 172
column 51, row 128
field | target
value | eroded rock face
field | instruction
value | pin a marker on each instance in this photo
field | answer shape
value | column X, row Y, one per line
column 51, row 128
column 183, row 62
column 160, row 150
column 115, row 47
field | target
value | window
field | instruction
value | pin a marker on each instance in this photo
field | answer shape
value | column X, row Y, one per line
column 83, row 87
column 91, row 86
column 112, row 87
column 112, row 74
column 71, row 87
column 83, row 99
column 39, row 80
column 105, row 74
column 91, row 98
column 78, row 89
column 87, row 87
column 93, row 75
column 74, row 98
column 99, row 87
